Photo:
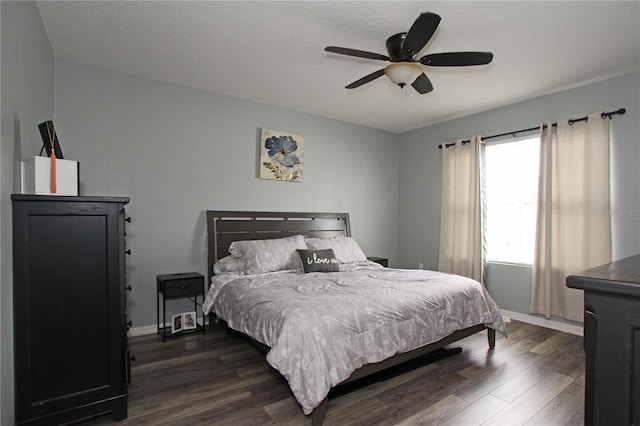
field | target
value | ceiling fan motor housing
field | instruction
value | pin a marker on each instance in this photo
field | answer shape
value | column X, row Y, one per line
column 394, row 48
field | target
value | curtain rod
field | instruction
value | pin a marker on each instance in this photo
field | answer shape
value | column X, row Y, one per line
column 621, row 111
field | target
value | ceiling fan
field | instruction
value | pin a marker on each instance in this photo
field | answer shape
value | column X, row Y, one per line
column 405, row 67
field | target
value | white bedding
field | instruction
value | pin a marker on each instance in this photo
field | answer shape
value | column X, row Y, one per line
column 321, row 327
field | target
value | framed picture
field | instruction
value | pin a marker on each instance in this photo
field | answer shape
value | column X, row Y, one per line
column 281, row 156
column 189, row 321
column 176, row 323
column 50, row 139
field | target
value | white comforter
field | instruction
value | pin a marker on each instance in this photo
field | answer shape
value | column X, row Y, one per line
column 321, row 327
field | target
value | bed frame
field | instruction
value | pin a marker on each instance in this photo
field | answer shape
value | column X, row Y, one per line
column 224, row 227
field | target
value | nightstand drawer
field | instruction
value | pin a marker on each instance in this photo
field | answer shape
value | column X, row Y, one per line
column 183, row 287
column 177, row 285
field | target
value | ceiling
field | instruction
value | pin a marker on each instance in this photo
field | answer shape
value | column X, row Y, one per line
column 273, row 52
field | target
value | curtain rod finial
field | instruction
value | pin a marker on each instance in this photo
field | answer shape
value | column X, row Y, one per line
column 621, row 111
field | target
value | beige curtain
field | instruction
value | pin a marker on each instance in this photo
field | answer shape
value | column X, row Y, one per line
column 573, row 228
column 461, row 227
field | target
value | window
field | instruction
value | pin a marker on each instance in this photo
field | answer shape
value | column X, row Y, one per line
column 511, row 175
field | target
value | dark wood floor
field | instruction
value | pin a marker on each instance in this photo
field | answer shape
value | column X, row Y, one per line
column 534, row 377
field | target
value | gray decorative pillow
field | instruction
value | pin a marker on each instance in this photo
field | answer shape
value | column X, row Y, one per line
column 346, row 248
column 318, row 260
column 262, row 256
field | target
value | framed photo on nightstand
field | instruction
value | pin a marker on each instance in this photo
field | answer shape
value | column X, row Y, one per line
column 189, row 321
column 176, row 323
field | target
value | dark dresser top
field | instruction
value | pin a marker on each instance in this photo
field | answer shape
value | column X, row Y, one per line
column 619, row 277
column 68, row 198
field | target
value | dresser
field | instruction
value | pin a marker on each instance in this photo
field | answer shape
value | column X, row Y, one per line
column 611, row 341
column 70, row 325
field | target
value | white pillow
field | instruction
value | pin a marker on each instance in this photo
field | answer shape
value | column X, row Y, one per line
column 262, row 256
column 226, row 264
column 346, row 249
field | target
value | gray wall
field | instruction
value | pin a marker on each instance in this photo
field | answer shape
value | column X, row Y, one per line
column 27, row 99
column 178, row 152
column 420, row 175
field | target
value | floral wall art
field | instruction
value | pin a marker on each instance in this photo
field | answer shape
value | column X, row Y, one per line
column 281, row 156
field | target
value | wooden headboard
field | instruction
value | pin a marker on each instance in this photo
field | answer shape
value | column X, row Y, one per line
column 224, row 227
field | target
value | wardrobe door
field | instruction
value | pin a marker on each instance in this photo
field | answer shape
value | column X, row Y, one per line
column 69, row 346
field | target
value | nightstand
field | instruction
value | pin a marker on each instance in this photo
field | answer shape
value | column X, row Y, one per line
column 381, row 260
column 175, row 286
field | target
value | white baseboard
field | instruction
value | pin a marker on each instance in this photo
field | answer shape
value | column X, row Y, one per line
column 543, row 322
column 141, row 331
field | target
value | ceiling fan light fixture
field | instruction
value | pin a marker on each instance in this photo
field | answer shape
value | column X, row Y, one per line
column 403, row 73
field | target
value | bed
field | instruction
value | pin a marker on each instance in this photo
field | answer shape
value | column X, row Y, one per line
column 341, row 317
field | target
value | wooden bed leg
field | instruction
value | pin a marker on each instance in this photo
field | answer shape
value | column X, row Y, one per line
column 491, row 335
column 318, row 413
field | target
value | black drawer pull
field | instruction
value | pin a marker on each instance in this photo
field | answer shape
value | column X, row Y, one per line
column 128, row 219
column 128, row 252
column 129, row 287
column 132, row 358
